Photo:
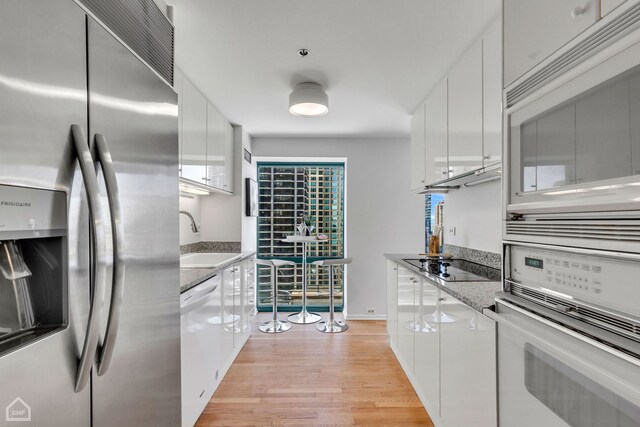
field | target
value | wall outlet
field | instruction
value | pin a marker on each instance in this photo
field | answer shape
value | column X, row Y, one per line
column 452, row 231
column 371, row 311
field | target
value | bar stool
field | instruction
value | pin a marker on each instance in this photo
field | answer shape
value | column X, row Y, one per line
column 332, row 326
column 274, row 326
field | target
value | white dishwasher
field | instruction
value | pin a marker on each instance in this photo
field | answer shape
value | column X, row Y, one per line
column 201, row 329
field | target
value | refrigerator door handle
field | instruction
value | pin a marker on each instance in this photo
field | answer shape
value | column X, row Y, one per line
column 117, row 285
column 98, row 262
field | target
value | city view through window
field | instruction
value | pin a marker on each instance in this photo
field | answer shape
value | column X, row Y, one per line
column 286, row 193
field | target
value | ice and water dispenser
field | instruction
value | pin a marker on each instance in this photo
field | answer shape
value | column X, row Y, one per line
column 33, row 270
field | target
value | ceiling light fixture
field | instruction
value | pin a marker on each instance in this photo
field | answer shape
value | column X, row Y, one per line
column 308, row 99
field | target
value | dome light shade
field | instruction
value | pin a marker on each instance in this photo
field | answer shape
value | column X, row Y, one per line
column 308, row 99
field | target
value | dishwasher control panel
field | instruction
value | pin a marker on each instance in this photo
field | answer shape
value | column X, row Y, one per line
column 601, row 280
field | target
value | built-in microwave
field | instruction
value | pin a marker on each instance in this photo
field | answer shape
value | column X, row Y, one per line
column 573, row 146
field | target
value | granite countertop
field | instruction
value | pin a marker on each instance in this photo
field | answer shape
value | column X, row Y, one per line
column 190, row 277
column 478, row 295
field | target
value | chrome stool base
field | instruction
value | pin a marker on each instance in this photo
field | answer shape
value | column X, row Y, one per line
column 274, row 327
column 304, row 318
column 332, row 326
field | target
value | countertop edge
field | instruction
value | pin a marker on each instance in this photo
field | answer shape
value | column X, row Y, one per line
column 479, row 304
column 210, row 272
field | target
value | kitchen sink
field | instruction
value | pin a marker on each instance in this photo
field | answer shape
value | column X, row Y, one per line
column 206, row 259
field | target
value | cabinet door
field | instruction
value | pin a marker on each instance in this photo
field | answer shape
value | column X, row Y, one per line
column 228, row 157
column 177, row 86
column 229, row 317
column 492, row 95
column 465, row 113
column 239, row 331
column 607, row 6
column 468, row 367
column 392, row 302
column 427, row 345
column 418, row 149
column 194, row 133
column 406, row 318
column 436, row 113
column 215, row 148
column 533, row 30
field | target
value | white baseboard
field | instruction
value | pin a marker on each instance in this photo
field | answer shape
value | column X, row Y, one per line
column 365, row 317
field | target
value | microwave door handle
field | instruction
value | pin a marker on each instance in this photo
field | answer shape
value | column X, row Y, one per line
column 118, row 239
column 98, row 262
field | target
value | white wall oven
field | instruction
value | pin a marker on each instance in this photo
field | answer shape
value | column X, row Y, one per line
column 568, row 338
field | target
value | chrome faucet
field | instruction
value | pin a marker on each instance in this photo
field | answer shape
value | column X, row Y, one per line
column 194, row 227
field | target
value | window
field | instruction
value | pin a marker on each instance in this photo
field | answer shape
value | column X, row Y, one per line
column 286, row 192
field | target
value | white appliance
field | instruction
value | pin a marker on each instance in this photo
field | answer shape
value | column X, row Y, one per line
column 202, row 332
column 89, row 202
column 568, row 338
column 573, row 142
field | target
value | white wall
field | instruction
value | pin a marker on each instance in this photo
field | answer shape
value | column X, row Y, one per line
column 383, row 216
column 476, row 213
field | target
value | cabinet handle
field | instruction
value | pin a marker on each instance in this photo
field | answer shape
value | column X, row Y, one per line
column 444, row 172
column 487, row 157
column 206, row 179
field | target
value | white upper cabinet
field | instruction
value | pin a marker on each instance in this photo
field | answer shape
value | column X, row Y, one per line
column 607, row 6
column 194, row 133
column 459, row 126
column 492, row 94
column 215, row 148
column 418, row 149
column 465, row 113
column 205, row 139
column 436, row 112
column 228, row 157
column 533, row 30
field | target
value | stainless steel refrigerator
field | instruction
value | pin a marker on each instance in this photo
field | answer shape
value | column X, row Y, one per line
column 89, row 249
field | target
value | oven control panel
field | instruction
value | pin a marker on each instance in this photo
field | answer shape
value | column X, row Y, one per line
column 601, row 280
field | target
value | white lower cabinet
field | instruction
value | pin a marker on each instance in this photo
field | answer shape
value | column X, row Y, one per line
column 406, row 317
column 427, row 345
column 392, row 302
column 467, row 367
column 446, row 348
column 214, row 327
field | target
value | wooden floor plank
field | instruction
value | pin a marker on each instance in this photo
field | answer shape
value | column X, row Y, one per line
column 305, row 378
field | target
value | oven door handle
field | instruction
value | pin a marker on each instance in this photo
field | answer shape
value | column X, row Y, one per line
column 501, row 319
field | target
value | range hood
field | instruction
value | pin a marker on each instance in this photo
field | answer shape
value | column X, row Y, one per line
column 468, row 179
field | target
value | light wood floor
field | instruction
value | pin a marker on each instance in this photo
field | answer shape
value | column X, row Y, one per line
column 306, row 378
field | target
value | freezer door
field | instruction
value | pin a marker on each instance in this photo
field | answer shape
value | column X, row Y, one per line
column 137, row 115
column 42, row 93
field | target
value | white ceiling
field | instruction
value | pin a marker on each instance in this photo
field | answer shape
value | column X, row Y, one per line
column 377, row 59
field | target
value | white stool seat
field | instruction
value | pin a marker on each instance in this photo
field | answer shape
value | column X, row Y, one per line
column 335, row 261
column 281, row 262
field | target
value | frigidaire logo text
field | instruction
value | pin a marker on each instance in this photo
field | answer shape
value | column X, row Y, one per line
column 16, row 204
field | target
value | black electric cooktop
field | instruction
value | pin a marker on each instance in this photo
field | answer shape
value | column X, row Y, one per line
column 456, row 270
